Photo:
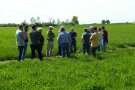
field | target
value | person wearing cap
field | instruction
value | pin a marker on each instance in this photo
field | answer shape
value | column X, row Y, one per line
column 94, row 41
column 41, row 39
column 86, row 42
column 50, row 38
column 25, row 31
column 100, row 42
column 105, row 37
column 73, row 35
column 64, row 40
column 35, row 37
column 20, row 41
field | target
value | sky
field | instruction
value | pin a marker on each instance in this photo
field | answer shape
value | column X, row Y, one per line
column 88, row 11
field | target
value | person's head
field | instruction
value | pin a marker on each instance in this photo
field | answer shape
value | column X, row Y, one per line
column 34, row 27
column 103, row 27
column 40, row 30
column 51, row 28
column 20, row 27
column 95, row 29
column 72, row 29
column 62, row 28
column 26, row 28
column 99, row 29
column 85, row 30
column 91, row 29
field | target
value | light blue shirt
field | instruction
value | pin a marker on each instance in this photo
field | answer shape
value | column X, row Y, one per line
column 19, row 38
column 64, row 37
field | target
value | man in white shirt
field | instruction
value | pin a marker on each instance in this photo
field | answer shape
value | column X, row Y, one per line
column 20, row 41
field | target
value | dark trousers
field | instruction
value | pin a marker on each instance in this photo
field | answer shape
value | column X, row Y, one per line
column 38, row 49
column 20, row 55
column 86, row 47
column 65, row 49
column 41, row 47
column 93, row 51
column 59, row 49
column 73, row 47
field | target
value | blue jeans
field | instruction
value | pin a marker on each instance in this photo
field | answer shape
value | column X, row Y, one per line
column 65, row 49
column 20, row 49
column 100, row 47
column 24, row 50
column 86, row 47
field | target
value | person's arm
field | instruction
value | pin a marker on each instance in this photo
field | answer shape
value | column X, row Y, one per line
column 70, row 40
column 59, row 39
column 91, row 37
column 82, row 38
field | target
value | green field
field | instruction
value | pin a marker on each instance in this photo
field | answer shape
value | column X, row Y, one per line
column 111, row 70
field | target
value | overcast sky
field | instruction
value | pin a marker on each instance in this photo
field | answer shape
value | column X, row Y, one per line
column 88, row 11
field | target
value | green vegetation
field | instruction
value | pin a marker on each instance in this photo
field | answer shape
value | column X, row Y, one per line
column 111, row 70
column 120, row 36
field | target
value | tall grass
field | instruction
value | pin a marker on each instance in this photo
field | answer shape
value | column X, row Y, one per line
column 120, row 36
column 114, row 71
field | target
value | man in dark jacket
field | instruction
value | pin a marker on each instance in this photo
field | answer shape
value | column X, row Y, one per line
column 105, row 37
column 73, row 35
column 35, row 37
column 86, row 41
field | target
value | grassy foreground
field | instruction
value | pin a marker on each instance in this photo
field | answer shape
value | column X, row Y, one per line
column 113, row 70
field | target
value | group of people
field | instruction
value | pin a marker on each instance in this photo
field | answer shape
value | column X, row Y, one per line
column 93, row 38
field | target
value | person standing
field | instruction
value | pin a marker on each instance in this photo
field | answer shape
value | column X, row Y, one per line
column 73, row 35
column 50, row 38
column 86, row 41
column 64, row 40
column 100, row 42
column 59, row 47
column 35, row 37
column 105, row 37
column 94, row 41
column 41, row 39
column 25, row 31
column 20, row 41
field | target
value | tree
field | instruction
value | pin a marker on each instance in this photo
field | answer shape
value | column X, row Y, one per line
column 58, row 21
column 103, row 21
column 24, row 23
column 75, row 20
column 67, row 21
column 33, row 20
column 38, row 22
column 107, row 21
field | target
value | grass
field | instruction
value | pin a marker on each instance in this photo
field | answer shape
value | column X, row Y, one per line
column 111, row 70
column 115, row 71
column 120, row 36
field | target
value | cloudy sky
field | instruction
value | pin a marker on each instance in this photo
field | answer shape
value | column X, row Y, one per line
column 88, row 11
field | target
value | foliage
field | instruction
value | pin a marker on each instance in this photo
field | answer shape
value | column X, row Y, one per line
column 75, row 20
column 111, row 70
column 107, row 21
column 103, row 21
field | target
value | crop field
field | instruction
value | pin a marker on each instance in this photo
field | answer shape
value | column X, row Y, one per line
column 111, row 70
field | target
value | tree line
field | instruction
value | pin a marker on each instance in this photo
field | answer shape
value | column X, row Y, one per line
column 51, row 22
